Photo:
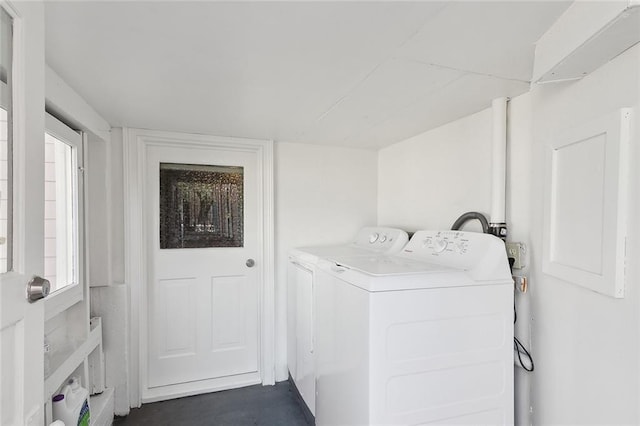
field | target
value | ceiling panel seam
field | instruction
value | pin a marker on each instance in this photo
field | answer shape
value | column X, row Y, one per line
column 391, row 55
column 467, row 71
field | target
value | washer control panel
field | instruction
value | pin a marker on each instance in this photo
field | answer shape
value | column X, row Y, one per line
column 443, row 242
column 464, row 250
column 440, row 243
column 382, row 240
column 482, row 256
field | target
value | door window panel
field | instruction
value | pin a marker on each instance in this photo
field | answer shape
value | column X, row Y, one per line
column 6, row 32
column 201, row 206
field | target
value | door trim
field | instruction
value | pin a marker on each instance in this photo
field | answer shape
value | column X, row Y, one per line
column 135, row 142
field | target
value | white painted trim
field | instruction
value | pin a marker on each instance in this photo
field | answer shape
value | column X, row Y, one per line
column 268, row 342
column 135, row 142
column 579, row 24
column 134, row 256
column 186, row 389
column 59, row 130
column 63, row 100
column 62, row 300
column 18, row 140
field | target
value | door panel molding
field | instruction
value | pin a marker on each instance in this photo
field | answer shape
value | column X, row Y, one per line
column 136, row 142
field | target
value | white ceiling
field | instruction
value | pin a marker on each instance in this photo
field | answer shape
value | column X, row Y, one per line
column 359, row 74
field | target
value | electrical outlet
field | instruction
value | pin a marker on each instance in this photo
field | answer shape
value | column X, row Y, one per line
column 517, row 252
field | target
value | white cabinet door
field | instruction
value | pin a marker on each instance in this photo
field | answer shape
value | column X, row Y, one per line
column 22, row 206
column 305, row 370
column 300, row 323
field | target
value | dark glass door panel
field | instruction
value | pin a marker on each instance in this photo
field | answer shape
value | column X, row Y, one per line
column 201, row 206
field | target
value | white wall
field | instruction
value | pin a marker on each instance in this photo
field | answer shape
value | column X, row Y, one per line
column 429, row 180
column 324, row 195
column 104, row 179
column 519, row 215
column 68, row 106
column 585, row 344
column 116, row 165
column 112, row 304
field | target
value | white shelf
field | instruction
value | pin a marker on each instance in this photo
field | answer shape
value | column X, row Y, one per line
column 102, row 408
column 66, row 362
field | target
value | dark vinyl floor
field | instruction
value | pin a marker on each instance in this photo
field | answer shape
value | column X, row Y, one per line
column 253, row 405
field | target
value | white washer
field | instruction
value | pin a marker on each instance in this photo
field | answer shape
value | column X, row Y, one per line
column 300, row 282
column 424, row 337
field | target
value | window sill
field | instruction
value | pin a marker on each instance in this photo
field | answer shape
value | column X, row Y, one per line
column 62, row 300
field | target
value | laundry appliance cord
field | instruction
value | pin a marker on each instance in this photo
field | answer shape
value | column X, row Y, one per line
column 517, row 345
column 470, row 216
column 520, row 349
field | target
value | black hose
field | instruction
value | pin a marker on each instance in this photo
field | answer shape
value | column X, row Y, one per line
column 469, row 216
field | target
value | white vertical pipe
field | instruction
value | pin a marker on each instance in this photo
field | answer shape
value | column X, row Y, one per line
column 499, row 160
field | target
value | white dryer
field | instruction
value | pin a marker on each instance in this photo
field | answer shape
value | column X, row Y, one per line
column 424, row 337
column 300, row 312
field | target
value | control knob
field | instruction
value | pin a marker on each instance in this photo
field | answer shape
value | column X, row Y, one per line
column 373, row 238
column 439, row 245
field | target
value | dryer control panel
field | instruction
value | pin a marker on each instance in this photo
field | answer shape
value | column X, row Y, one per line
column 381, row 239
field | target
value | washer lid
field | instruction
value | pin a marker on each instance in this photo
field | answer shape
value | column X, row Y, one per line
column 387, row 265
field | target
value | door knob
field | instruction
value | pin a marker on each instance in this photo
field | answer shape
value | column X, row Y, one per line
column 38, row 288
column 250, row 263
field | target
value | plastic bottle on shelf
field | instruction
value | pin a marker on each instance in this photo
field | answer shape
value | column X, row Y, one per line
column 71, row 405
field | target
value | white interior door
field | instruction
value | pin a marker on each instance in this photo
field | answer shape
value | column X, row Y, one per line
column 21, row 215
column 203, row 290
column 21, row 354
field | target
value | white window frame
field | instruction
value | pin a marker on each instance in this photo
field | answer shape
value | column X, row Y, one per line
column 68, row 296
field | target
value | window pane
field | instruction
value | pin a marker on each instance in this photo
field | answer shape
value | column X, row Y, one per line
column 6, row 40
column 60, row 218
column 201, row 206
